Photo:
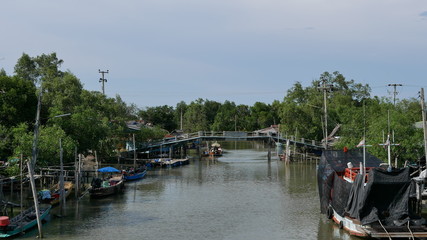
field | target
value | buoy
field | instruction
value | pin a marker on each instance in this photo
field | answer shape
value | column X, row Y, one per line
column 4, row 221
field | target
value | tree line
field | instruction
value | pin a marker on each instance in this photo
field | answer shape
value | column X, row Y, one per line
column 99, row 123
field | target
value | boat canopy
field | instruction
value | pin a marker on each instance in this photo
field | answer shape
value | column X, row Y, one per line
column 108, row 170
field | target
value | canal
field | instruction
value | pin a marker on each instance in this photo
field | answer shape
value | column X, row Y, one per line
column 239, row 196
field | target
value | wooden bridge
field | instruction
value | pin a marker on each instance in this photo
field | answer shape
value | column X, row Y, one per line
column 169, row 144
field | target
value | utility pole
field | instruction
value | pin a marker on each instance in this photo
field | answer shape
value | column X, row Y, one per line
column 423, row 107
column 394, row 85
column 325, row 88
column 102, row 79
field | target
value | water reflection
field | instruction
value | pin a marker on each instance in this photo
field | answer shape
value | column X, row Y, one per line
column 241, row 195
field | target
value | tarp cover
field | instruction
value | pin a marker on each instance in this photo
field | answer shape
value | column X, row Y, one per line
column 385, row 196
column 331, row 162
column 108, row 170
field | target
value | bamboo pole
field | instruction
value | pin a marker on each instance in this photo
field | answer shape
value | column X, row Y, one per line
column 36, row 202
column 22, row 183
column 61, row 179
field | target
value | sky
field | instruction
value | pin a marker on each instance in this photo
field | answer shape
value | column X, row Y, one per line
column 161, row 52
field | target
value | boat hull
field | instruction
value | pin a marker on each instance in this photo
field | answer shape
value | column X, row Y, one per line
column 22, row 226
column 135, row 176
column 355, row 228
column 107, row 191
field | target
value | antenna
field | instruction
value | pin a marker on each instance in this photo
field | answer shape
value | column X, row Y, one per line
column 102, row 79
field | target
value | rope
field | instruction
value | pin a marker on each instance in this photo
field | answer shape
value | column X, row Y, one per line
column 385, row 230
column 413, row 237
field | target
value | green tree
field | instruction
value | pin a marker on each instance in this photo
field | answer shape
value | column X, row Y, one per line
column 226, row 118
column 148, row 134
column 25, row 68
column 5, row 142
column 162, row 116
column 17, row 101
column 180, row 110
column 195, row 117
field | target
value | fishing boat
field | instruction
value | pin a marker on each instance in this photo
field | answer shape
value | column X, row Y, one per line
column 52, row 195
column 369, row 200
column 132, row 175
column 215, row 150
column 22, row 222
column 176, row 162
column 107, row 186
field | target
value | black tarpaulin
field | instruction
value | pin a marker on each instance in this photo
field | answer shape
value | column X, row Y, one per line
column 331, row 162
column 385, row 197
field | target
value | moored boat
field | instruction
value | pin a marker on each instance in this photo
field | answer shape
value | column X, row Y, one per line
column 215, row 150
column 176, row 162
column 52, row 195
column 132, row 175
column 110, row 185
column 22, row 222
column 368, row 201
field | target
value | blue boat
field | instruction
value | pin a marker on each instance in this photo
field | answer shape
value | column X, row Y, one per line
column 131, row 176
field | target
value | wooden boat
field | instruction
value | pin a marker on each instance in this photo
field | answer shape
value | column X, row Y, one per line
column 103, row 188
column 176, row 162
column 52, row 196
column 22, row 222
column 215, row 150
column 134, row 175
column 368, row 201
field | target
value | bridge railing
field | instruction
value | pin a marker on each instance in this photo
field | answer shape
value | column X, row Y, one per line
column 230, row 134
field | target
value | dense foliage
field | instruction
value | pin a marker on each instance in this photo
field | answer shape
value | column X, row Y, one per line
column 99, row 123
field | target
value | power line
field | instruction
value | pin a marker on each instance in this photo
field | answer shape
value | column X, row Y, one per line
column 102, row 79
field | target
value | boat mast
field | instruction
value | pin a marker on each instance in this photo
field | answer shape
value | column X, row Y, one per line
column 364, row 138
column 424, row 121
column 388, row 142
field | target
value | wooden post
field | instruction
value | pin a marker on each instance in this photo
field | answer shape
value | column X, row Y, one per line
column 36, row 201
column 134, row 153
column 22, row 182
column 76, row 177
column 97, row 167
column 269, row 149
column 11, row 186
column 61, row 180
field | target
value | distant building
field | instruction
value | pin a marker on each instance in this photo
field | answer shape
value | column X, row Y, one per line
column 136, row 125
column 272, row 130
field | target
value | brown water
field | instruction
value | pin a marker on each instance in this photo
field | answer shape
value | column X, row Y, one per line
column 240, row 196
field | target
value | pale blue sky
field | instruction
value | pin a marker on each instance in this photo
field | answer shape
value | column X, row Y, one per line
column 163, row 51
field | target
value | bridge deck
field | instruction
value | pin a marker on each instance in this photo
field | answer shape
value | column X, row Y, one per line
column 229, row 136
